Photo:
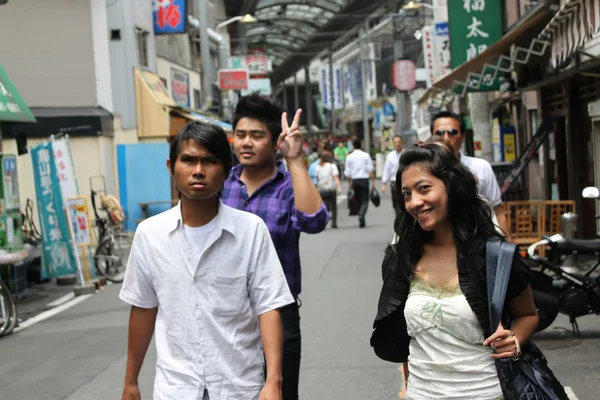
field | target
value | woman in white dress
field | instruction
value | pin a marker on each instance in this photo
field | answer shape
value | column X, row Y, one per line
column 433, row 311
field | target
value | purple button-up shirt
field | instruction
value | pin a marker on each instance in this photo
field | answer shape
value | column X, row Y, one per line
column 274, row 203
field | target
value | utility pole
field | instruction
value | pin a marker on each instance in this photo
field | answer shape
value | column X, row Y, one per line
column 205, row 54
column 398, row 55
column 331, row 92
column 364, row 59
column 308, row 94
column 296, row 96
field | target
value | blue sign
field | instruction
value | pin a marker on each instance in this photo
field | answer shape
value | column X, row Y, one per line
column 169, row 16
column 57, row 251
column 442, row 29
column 388, row 109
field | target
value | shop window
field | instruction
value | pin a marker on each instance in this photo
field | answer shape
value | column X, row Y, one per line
column 141, row 39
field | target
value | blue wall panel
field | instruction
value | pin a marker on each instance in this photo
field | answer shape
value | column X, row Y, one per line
column 143, row 177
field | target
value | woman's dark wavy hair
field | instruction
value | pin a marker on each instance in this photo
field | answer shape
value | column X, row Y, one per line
column 470, row 216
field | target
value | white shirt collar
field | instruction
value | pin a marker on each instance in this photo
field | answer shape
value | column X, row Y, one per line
column 222, row 221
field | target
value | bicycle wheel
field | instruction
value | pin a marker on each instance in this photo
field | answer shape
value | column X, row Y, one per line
column 112, row 255
column 8, row 310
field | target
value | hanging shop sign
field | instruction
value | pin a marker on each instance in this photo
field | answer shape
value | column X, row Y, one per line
column 474, row 26
column 442, row 49
column 429, row 55
column 325, row 83
column 80, row 220
column 403, row 74
column 169, row 16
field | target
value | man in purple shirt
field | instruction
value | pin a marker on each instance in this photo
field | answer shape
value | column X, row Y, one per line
column 288, row 202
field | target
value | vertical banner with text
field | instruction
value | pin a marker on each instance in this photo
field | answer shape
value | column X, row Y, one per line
column 57, row 252
column 474, row 26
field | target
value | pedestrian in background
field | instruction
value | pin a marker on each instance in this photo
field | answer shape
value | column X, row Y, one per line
column 341, row 153
column 433, row 310
column 288, row 202
column 359, row 169
column 328, row 182
column 449, row 126
column 390, row 168
column 206, row 280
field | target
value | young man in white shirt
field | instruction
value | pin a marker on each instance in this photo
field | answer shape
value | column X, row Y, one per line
column 449, row 126
column 390, row 169
column 359, row 168
column 206, row 279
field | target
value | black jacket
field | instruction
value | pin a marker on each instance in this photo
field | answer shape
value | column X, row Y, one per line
column 390, row 339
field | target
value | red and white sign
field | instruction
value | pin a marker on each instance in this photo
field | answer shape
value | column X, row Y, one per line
column 233, row 79
column 257, row 64
column 403, row 74
column 64, row 168
column 429, row 55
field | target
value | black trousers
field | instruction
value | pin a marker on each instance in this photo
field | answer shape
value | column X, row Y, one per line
column 361, row 190
column 292, row 346
column 330, row 199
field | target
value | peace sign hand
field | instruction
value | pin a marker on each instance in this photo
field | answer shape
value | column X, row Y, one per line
column 290, row 140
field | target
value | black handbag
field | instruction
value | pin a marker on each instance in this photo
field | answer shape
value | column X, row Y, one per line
column 375, row 197
column 529, row 377
column 352, row 203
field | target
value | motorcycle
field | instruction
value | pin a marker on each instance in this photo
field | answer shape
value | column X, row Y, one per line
column 556, row 288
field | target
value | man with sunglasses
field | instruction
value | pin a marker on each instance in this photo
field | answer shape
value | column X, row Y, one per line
column 449, row 126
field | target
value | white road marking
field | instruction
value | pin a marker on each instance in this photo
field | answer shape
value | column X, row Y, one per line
column 50, row 313
column 570, row 393
column 61, row 300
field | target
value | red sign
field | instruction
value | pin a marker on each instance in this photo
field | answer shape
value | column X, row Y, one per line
column 403, row 73
column 233, row 79
column 257, row 64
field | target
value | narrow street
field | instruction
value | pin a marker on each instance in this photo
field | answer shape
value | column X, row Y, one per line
column 80, row 353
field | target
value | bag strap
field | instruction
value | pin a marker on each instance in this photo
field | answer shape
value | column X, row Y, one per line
column 499, row 258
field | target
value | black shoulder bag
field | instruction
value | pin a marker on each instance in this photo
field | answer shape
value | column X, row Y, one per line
column 529, row 377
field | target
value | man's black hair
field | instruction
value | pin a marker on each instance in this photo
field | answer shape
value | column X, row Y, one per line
column 448, row 114
column 257, row 107
column 357, row 143
column 210, row 136
column 399, row 137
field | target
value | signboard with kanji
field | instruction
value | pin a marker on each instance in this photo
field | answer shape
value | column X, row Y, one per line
column 180, row 87
column 169, row 16
column 12, row 106
column 404, row 78
column 64, row 167
column 474, row 26
column 233, row 79
column 80, row 220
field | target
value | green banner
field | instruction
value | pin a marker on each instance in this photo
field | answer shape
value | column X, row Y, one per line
column 12, row 106
column 474, row 26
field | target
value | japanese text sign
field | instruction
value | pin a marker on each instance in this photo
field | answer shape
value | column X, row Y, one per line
column 180, row 87
column 57, row 252
column 169, row 16
column 64, row 167
column 233, row 79
column 257, row 64
column 474, row 26
column 80, row 220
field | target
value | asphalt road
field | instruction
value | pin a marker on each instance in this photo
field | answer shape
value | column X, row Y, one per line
column 79, row 354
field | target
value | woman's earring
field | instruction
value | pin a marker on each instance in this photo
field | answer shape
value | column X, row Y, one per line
column 414, row 223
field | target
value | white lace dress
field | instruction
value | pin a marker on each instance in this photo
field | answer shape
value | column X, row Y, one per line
column 447, row 357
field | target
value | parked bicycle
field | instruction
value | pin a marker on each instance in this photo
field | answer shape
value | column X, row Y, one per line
column 112, row 252
column 8, row 310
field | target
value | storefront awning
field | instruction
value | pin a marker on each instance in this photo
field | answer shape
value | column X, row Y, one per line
column 157, row 113
column 575, row 23
column 72, row 121
column 12, row 105
column 468, row 75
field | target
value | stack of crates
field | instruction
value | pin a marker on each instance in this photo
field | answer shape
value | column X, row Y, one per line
column 11, row 232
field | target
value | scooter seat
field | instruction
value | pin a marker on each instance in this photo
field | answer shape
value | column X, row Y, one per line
column 581, row 246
